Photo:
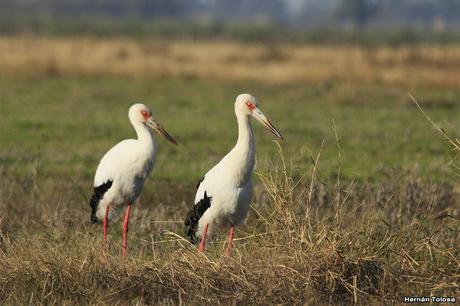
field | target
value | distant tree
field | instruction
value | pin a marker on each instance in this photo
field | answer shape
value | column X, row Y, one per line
column 358, row 11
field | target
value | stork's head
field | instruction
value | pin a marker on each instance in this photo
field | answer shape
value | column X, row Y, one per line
column 140, row 113
column 246, row 104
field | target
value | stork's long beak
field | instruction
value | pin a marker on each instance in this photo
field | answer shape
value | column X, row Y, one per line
column 156, row 127
column 257, row 113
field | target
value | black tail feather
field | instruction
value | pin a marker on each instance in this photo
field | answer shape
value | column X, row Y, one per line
column 194, row 215
column 96, row 197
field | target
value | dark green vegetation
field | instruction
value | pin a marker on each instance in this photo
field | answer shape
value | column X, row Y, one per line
column 11, row 25
column 368, row 22
column 386, row 228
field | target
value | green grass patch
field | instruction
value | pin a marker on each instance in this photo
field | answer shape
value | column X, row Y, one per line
column 68, row 123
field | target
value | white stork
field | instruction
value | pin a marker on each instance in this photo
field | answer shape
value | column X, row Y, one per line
column 122, row 171
column 224, row 193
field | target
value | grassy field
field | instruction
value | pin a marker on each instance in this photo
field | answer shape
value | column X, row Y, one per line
column 376, row 219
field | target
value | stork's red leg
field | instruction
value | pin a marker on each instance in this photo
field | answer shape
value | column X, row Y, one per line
column 125, row 228
column 203, row 239
column 230, row 239
column 106, row 222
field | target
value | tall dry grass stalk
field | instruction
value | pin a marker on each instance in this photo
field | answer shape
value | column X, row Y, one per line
column 454, row 142
column 409, row 66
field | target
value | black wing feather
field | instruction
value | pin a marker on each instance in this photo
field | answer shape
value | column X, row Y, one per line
column 199, row 183
column 194, row 215
column 99, row 192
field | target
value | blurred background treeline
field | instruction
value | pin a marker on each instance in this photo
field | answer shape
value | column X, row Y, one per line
column 317, row 21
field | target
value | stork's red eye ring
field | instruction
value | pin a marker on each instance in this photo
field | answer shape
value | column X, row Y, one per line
column 250, row 105
column 145, row 114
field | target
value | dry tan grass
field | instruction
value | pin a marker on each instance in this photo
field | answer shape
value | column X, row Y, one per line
column 405, row 66
column 309, row 240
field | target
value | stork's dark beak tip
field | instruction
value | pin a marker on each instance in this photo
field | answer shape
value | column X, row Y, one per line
column 173, row 141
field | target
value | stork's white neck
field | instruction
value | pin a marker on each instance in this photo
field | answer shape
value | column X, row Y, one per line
column 241, row 157
column 144, row 134
column 245, row 136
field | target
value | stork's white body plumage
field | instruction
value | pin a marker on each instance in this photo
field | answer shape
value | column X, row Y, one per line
column 127, row 165
column 229, row 183
column 224, row 194
column 121, row 173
